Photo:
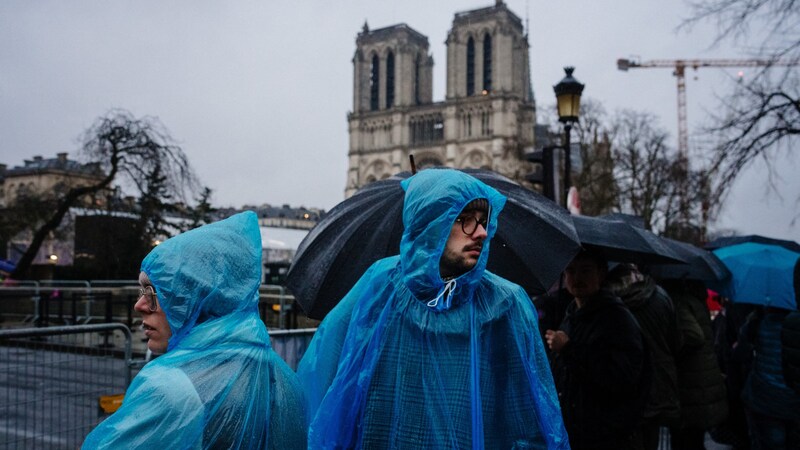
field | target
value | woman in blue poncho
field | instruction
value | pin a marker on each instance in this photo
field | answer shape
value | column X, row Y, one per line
column 218, row 383
column 429, row 349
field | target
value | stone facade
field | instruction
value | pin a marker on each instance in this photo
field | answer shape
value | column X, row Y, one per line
column 46, row 176
column 486, row 120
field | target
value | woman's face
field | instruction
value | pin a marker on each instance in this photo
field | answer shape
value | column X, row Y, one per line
column 154, row 323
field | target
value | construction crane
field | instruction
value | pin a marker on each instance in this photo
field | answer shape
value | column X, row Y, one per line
column 679, row 70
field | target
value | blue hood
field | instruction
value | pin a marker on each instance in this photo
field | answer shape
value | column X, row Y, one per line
column 434, row 199
column 208, row 272
column 220, row 384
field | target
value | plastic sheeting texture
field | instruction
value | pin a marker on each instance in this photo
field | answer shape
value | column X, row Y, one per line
column 385, row 370
column 220, row 384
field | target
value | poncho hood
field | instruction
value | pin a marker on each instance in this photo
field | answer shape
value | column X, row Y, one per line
column 208, row 272
column 434, row 199
column 393, row 367
column 220, row 384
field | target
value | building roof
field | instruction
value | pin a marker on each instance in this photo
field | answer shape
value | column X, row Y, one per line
column 479, row 14
column 60, row 163
column 380, row 34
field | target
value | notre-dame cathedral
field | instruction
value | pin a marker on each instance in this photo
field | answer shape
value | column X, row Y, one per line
column 488, row 115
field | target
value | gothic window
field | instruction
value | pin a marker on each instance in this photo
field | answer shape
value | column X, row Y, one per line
column 373, row 84
column 390, row 80
column 470, row 66
column 438, row 129
column 426, row 129
column 485, row 129
column 487, row 63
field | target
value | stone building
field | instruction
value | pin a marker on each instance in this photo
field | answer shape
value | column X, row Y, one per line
column 46, row 176
column 46, row 179
column 488, row 115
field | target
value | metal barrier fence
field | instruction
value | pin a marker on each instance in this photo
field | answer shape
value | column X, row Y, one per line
column 291, row 345
column 51, row 380
column 52, row 302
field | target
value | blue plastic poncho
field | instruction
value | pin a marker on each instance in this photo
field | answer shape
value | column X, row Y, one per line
column 220, row 384
column 392, row 366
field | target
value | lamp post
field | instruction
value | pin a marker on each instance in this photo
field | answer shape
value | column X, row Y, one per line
column 568, row 98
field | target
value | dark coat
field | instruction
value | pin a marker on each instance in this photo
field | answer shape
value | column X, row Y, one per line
column 601, row 374
column 702, row 388
column 655, row 313
column 765, row 390
column 790, row 339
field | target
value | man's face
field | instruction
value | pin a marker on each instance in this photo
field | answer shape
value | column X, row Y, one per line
column 462, row 250
column 155, row 324
column 583, row 277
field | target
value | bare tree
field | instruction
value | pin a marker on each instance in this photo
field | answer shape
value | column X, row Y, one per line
column 130, row 151
column 595, row 181
column 644, row 168
column 761, row 116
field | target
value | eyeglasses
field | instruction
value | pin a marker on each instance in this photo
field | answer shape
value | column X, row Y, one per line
column 149, row 293
column 470, row 223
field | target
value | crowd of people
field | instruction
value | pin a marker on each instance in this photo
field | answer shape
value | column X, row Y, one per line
column 431, row 350
column 633, row 355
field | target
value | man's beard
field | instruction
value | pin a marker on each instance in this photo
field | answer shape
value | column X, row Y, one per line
column 456, row 264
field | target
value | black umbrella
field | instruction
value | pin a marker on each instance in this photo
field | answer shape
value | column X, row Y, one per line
column 535, row 240
column 735, row 240
column 619, row 241
column 659, row 244
column 700, row 264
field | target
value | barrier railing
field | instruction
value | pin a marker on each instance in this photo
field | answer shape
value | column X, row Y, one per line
column 52, row 381
column 291, row 345
column 63, row 302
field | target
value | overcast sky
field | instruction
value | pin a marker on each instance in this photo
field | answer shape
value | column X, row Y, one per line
column 257, row 92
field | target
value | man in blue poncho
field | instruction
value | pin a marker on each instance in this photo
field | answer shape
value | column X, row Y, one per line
column 218, row 383
column 429, row 349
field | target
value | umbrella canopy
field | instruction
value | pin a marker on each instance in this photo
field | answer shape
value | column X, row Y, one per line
column 658, row 243
column 700, row 264
column 535, row 240
column 621, row 242
column 761, row 274
column 734, row 240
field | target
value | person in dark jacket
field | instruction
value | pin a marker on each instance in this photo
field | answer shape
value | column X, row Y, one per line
column 726, row 325
column 702, row 389
column 655, row 313
column 773, row 409
column 600, row 366
column 790, row 340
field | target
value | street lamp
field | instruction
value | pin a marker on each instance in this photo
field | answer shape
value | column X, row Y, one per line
column 568, row 98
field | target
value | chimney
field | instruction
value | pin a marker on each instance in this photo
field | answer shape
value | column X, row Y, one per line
column 37, row 158
column 62, row 157
column 3, row 168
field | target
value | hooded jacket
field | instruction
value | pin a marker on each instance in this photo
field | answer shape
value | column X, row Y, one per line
column 703, row 397
column 602, row 373
column 408, row 360
column 655, row 314
column 220, row 384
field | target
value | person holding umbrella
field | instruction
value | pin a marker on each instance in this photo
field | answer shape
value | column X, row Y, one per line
column 429, row 349
column 601, row 365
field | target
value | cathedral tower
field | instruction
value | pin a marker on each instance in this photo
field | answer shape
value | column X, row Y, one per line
column 487, row 117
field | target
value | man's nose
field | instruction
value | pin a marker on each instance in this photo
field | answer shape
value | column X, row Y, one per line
column 480, row 232
column 141, row 305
